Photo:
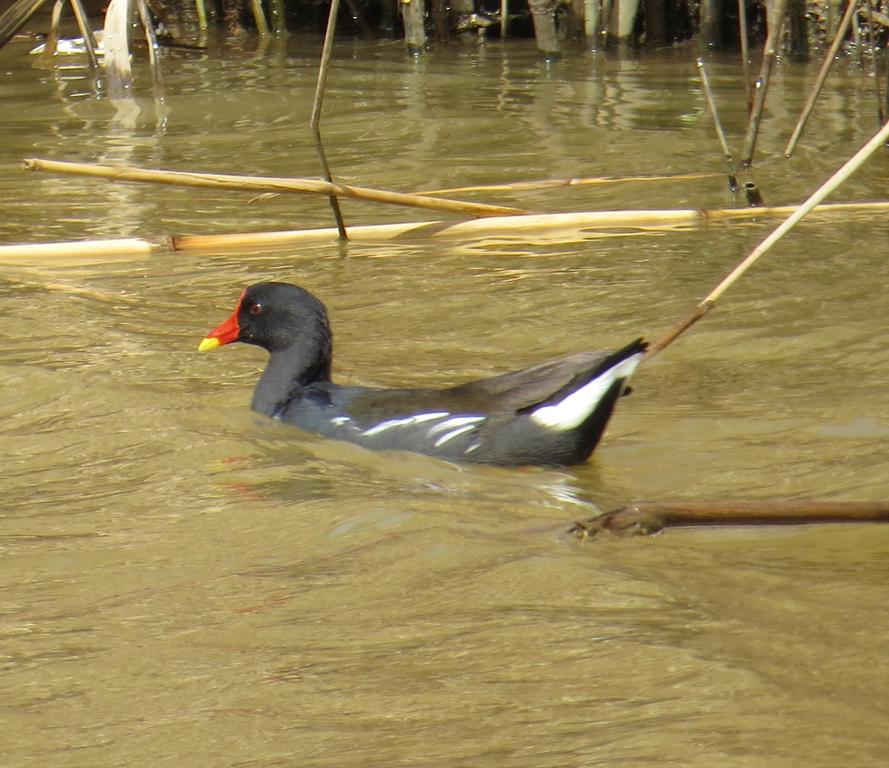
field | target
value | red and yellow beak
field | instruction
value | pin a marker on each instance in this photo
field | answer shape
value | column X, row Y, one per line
column 224, row 333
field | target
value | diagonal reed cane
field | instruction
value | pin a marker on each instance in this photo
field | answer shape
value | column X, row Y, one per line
column 706, row 304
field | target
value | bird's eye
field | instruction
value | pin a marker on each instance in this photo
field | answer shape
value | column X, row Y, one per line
column 255, row 309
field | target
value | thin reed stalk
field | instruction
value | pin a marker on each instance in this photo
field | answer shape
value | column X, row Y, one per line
column 709, row 301
column 822, row 76
column 262, row 25
column 745, row 53
column 720, row 134
column 315, row 121
column 650, row 517
column 266, row 184
column 777, row 10
column 604, row 16
column 15, row 17
column 151, row 38
column 86, row 32
column 277, row 11
column 201, row 8
column 872, row 44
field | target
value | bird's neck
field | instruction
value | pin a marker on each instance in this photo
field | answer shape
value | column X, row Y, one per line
column 289, row 370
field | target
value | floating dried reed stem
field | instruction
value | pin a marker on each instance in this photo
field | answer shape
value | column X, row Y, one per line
column 525, row 186
column 266, row 184
column 569, row 227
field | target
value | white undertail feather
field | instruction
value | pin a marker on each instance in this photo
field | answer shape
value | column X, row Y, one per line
column 572, row 410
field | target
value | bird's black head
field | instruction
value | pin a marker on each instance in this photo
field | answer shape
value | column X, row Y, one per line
column 275, row 316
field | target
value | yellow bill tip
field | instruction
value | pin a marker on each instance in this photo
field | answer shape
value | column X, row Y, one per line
column 207, row 344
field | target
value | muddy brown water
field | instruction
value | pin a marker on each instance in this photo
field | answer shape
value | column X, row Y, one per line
column 184, row 584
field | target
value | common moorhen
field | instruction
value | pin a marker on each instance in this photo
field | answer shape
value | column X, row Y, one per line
column 550, row 414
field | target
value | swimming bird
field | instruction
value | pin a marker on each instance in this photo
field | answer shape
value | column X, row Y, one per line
column 553, row 413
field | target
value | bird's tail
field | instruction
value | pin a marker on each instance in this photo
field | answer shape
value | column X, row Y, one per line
column 588, row 399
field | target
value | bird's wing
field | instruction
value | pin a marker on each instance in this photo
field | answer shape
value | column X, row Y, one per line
column 502, row 395
column 518, row 390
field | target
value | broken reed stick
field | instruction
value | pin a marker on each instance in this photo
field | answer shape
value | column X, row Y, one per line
column 52, row 39
column 262, row 26
column 265, row 184
column 567, row 227
column 776, row 12
column 650, row 517
column 527, row 186
column 840, row 176
column 842, row 29
column 753, row 195
column 151, row 39
column 315, row 121
column 86, row 32
column 720, row 134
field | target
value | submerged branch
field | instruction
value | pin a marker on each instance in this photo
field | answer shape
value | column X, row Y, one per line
column 650, row 517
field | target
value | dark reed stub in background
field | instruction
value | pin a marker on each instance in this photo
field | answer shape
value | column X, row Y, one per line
column 754, row 196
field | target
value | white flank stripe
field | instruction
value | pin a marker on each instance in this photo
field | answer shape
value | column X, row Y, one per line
column 458, row 421
column 452, row 434
column 571, row 411
column 340, row 420
column 406, row 422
